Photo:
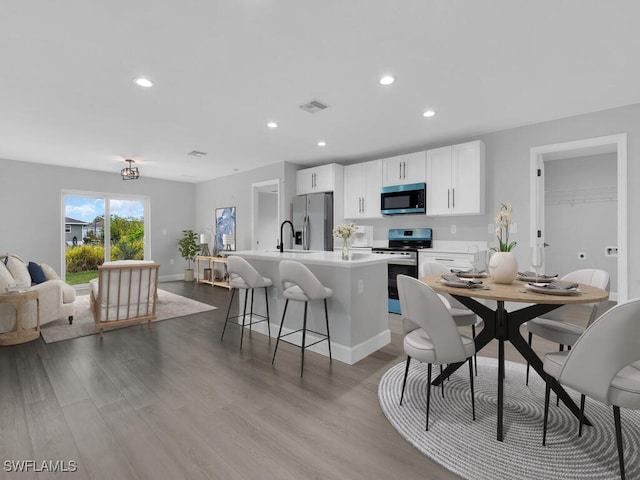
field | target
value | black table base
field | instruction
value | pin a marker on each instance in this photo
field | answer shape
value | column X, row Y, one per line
column 505, row 326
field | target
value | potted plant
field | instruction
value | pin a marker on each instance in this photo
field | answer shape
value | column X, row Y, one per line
column 188, row 248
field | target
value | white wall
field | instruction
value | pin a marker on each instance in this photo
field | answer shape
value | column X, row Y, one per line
column 235, row 191
column 578, row 189
column 31, row 210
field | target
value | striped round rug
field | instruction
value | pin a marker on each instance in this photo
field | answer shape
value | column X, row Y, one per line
column 470, row 449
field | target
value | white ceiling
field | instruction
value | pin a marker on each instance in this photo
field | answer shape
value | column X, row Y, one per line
column 223, row 69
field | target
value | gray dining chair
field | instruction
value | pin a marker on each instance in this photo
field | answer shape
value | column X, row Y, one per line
column 461, row 314
column 603, row 364
column 431, row 334
column 242, row 276
column 555, row 327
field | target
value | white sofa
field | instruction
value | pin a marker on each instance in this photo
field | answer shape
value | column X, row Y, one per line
column 125, row 292
column 56, row 297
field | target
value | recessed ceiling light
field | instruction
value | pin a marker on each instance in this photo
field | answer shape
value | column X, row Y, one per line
column 387, row 80
column 429, row 113
column 322, row 143
column 272, row 125
column 143, row 82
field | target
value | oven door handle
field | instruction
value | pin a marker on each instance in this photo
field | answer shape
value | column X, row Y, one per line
column 408, row 261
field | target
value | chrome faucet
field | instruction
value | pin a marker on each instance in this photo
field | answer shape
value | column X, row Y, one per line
column 281, row 247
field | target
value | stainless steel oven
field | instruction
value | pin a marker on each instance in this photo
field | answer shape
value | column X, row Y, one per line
column 403, row 245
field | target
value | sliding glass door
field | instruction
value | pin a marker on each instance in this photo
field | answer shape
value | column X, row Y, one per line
column 98, row 228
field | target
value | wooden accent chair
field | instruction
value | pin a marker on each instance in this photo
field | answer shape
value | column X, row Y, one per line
column 125, row 292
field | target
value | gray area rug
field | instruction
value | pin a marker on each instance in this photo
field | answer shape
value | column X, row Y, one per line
column 169, row 305
column 470, row 449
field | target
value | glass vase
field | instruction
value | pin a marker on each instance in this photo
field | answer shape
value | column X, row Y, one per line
column 345, row 249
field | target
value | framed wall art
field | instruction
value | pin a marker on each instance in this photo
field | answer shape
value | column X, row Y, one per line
column 226, row 228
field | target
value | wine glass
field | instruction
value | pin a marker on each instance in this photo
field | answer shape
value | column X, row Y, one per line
column 473, row 250
column 537, row 255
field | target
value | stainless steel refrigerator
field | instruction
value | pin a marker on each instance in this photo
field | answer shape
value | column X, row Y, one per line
column 313, row 221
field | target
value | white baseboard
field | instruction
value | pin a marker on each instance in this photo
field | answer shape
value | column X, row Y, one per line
column 342, row 353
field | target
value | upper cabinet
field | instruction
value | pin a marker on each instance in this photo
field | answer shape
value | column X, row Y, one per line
column 456, row 179
column 362, row 184
column 316, row 179
column 403, row 169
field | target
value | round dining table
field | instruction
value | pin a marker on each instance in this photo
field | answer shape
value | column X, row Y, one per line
column 503, row 325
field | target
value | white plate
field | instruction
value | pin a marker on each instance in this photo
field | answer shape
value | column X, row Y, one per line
column 472, row 275
column 461, row 284
column 539, row 279
column 553, row 291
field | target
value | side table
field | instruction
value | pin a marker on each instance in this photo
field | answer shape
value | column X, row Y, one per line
column 20, row 334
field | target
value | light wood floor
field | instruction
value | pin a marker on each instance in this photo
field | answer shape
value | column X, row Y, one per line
column 175, row 403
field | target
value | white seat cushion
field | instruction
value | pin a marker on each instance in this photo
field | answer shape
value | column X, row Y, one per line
column 553, row 363
column 564, row 333
column 238, row 282
column 418, row 345
column 625, row 388
column 295, row 293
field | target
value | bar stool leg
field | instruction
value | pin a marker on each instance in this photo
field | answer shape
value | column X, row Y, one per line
column 304, row 334
column 326, row 317
column 251, row 315
column 233, row 292
column 266, row 302
column 284, row 312
column 244, row 313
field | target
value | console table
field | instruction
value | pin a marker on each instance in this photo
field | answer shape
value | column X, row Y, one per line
column 20, row 334
column 210, row 262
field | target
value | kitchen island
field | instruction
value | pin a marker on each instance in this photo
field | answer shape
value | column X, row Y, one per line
column 358, row 317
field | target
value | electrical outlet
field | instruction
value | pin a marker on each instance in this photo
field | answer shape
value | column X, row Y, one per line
column 453, row 229
column 360, row 286
column 513, row 228
column 171, row 261
column 491, row 228
column 582, row 255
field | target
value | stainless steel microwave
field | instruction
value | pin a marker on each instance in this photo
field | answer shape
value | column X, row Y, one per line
column 403, row 199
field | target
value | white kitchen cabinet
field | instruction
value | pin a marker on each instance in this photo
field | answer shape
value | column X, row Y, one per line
column 404, row 169
column 461, row 260
column 362, row 184
column 456, row 179
column 317, row 179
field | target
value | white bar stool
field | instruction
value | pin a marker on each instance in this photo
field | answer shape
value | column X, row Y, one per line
column 299, row 284
column 243, row 276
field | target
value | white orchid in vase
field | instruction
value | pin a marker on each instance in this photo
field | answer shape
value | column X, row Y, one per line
column 503, row 220
column 345, row 231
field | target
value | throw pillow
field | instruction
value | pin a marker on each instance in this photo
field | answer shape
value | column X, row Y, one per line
column 36, row 272
column 5, row 278
column 19, row 271
column 49, row 272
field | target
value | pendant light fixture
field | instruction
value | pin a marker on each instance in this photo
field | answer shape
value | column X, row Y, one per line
column 130, row 172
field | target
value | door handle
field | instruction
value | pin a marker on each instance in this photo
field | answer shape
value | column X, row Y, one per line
column 448, row 198
column 453, row 198
column 545, row 244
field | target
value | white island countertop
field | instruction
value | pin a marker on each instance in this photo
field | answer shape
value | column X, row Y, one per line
column 313, row 257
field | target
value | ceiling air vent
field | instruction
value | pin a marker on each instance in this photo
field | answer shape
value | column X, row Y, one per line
column 314, row 106
column 196, row 153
